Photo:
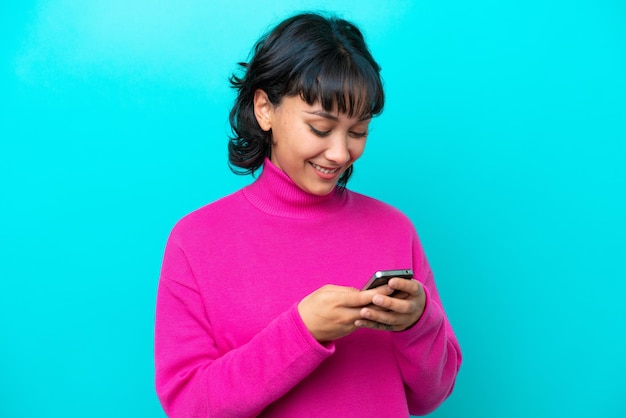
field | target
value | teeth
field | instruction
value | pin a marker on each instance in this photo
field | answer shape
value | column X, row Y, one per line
column 324, row 170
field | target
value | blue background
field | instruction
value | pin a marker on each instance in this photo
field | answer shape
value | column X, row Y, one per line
column 503, row 139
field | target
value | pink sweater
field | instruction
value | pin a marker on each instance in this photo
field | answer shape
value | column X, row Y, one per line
column 229, row 341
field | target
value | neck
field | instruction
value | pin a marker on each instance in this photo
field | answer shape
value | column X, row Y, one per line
column 276, row 194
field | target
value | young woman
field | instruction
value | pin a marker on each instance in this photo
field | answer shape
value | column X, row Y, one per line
column 259, row 309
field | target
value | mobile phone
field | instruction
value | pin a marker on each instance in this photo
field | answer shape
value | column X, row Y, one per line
column 381, row 277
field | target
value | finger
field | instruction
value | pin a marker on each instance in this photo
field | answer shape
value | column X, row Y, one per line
column 401, row 295
column 376, row 308
column 364, row 297
column 380, row 290
column 412, row 287
column 364, row 323
column 383, row 317
column 391, row 303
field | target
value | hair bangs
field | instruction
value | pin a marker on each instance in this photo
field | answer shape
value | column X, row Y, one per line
column 341, row 83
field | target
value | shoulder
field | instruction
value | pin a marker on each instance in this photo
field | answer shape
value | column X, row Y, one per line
column 202, row 221
column 371, row 205
column 377, row 209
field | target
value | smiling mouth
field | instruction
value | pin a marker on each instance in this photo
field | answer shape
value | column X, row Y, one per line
column 325, row 170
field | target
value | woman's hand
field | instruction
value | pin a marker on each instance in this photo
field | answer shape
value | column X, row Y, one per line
column 331, row 311
column 395, row 313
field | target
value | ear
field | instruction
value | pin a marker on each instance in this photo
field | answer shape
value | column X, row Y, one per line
column 263, row 109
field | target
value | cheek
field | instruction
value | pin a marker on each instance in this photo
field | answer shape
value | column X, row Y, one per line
column 356, row 150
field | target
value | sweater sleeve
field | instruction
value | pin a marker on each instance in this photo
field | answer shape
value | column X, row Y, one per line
column 193, row 379
column 428, row 353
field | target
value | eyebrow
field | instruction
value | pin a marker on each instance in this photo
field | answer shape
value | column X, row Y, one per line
column 333, row 117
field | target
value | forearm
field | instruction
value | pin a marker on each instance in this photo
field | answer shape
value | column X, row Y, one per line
column 429, row 357
column 194, row 378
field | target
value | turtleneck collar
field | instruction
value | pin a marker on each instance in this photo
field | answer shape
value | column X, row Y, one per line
column 276, row 194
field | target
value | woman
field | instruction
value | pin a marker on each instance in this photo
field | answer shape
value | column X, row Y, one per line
column 258, row 308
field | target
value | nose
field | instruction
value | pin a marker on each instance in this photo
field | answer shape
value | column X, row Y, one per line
column 338, row 151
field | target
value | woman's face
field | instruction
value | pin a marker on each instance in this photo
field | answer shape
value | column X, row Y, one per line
column 314, row 147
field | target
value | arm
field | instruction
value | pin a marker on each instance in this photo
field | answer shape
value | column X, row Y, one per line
column 425, row 345
column 429, row 356
column 193, row 378
column 428, row 352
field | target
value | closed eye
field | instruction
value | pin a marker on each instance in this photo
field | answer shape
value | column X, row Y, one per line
column 323, row 134
column 319, row 133
column 358, row 134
